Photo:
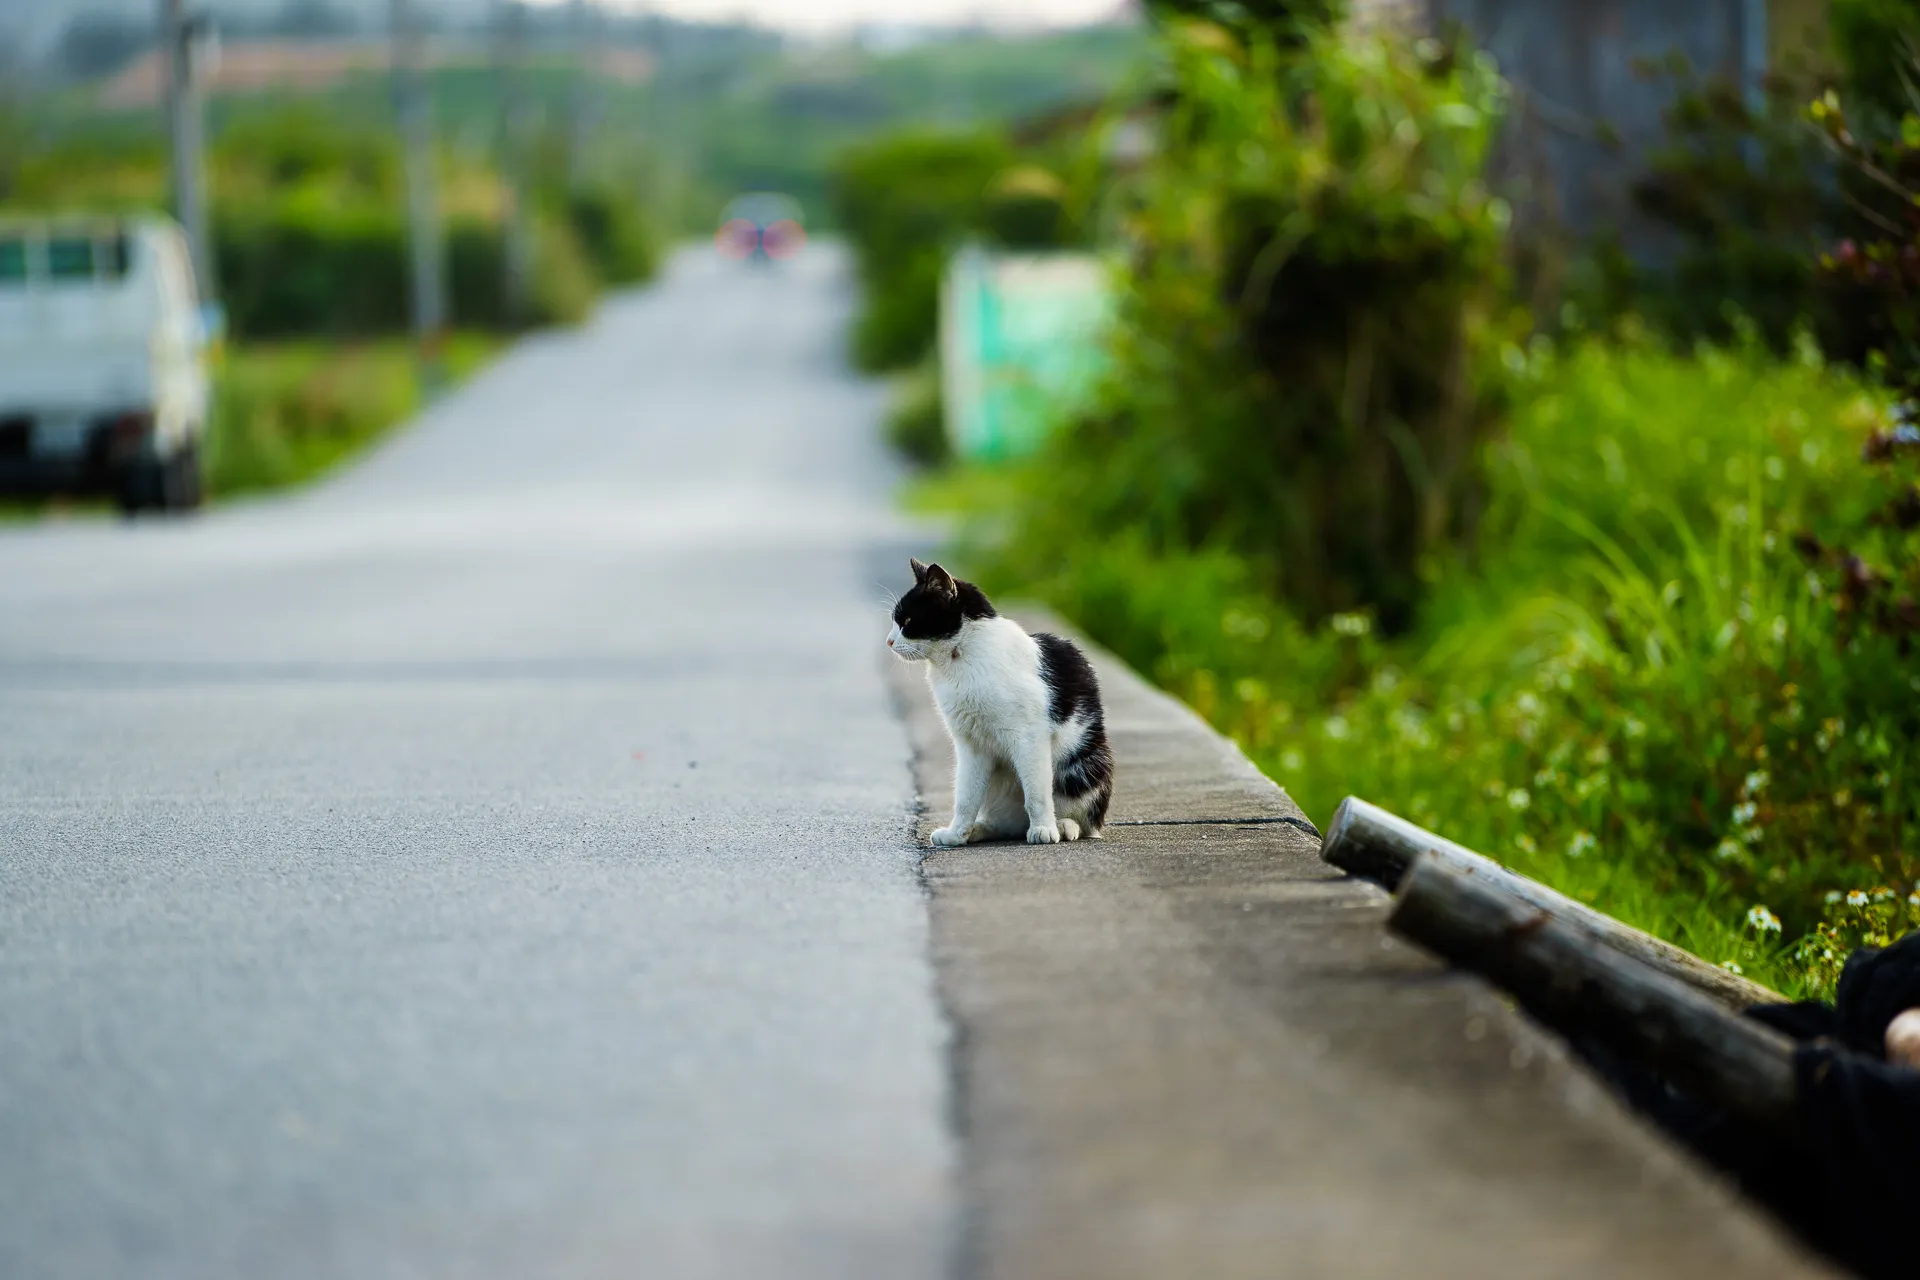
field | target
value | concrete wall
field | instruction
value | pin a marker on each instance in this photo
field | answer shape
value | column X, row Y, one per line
column 1586, row 113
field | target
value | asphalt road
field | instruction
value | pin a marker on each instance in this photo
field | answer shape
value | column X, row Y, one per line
column 494, row 861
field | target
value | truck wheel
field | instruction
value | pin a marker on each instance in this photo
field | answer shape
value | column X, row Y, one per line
column 184, row 489
column 142, row 485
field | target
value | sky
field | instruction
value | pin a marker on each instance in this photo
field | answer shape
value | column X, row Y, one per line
column 831, row 15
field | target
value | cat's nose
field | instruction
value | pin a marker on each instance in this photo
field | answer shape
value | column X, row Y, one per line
column 889, row 642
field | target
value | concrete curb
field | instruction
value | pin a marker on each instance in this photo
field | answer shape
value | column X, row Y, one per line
column 1191, row 1050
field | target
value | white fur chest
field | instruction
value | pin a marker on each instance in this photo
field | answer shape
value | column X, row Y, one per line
column 991, row 695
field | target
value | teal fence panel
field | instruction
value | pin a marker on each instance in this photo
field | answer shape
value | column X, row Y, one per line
column 1020, row 346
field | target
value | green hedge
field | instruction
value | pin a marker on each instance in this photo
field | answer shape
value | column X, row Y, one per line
column 296, row 269
column 904, row 202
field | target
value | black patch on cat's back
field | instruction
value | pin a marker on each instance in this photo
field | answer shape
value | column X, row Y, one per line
column 1071, row 687
column 926, row 613
column 1072, row 690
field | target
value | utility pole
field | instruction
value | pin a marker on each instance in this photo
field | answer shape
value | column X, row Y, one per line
column 414, row 109
column 183, row 38
column 580, row 103
column 517, row 260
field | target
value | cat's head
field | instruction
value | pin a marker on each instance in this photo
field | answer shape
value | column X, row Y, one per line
column 933, row 612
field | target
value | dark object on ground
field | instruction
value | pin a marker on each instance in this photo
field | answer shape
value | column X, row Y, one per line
column 1369, row 841
column 1803, row 1109
column 1573, row 979
column 1854, row 1187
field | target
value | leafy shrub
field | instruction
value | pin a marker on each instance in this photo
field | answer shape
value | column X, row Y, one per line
column 299, row 267
column 1267, row 19
column 1749, row 191
column 1635, row 691
column 614, row 235
column 1026, row 208
column 286, row 412
column 563, row 284
column 1876, row 42
column 1311, row 328
column 904, row 202
column 1874, row 280
column 916, row 421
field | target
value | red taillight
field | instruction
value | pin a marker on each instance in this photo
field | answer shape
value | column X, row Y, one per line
column 130, row 428
column 124, row 435
column 784, row 238
column 737, row 238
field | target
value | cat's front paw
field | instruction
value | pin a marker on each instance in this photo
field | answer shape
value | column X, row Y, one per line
column 949, row 837
column 1043, row 835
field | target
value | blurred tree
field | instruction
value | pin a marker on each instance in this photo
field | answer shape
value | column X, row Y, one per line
column 1877, row 41
column 1283, row 18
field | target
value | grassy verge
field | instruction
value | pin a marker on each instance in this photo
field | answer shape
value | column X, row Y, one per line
column 287, row 412
column 1660, row 681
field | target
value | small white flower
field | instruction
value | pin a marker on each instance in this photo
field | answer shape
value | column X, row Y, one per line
column 1335, row 728
column 1762, row 919
column 1856, row 899
column 1731, row 967
column 1756, row 782
column 1582, row 843
column 1527, row 844
column 1833, row 896
column 1527, row 705
column 1728, row 850
column 1744, row 813
column 1518, row 799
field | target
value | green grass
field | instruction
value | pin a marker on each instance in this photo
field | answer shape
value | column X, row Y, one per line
column 1633, row 687
column 287, row 412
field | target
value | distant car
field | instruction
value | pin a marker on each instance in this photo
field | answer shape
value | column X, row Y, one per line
column 761, row 227
column 103, row 370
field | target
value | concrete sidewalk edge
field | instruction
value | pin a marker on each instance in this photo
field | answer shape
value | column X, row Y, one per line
column 1192, row 1049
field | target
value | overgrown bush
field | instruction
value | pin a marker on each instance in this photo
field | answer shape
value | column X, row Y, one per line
column 1749, row 192
column 310, row 233
column 1873, row 280
column 904, row 202
column 286, row 412
column 298, row 267
column 1641, row 688
column 1876, row 41
column 1311, row 328
column 916, row 421
column 614, row 235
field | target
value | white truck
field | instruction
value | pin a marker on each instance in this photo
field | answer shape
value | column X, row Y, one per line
column 103, row 368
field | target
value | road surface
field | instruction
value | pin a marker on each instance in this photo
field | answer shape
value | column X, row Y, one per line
column 494, row 861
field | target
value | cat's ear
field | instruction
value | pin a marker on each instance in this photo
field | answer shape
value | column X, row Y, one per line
column 919, row 572
column 939, row 581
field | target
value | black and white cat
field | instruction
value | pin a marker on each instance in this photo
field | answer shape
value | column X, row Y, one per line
column 1029, row 737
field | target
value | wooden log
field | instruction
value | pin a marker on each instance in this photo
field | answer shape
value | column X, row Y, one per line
column 1366, row 840
column 1578, row 985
